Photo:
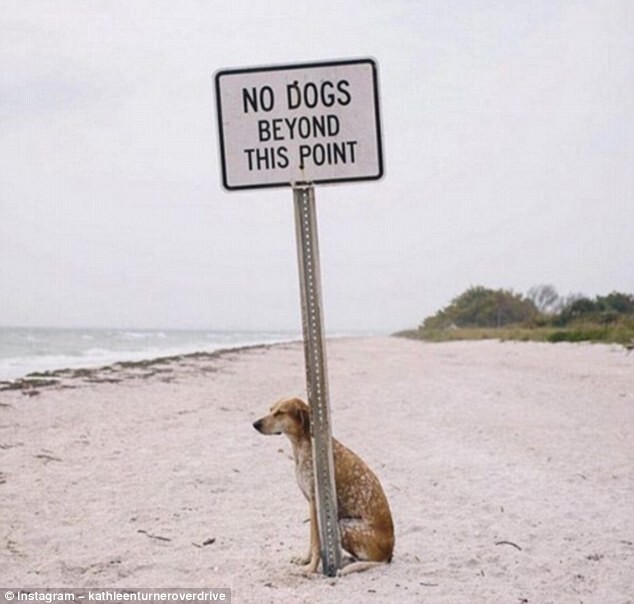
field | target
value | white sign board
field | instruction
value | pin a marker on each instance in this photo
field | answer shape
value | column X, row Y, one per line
column 306, row 123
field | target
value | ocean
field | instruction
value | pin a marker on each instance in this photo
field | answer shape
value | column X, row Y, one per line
column 29, row 350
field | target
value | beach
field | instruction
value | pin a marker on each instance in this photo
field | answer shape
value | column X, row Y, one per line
column 508, row 468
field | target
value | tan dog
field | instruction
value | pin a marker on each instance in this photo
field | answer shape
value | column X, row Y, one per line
column 365, row 521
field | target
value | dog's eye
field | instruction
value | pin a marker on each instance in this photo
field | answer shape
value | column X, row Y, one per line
column 277, row 413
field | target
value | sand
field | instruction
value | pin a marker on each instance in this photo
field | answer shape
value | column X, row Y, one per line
column 508, row 467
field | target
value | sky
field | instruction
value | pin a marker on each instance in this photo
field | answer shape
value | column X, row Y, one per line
column 508, row 142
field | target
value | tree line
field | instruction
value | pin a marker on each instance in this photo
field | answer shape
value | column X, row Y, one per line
column 542, row 309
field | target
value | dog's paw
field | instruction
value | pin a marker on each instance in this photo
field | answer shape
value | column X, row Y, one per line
column 300, row 560
column 309, row 569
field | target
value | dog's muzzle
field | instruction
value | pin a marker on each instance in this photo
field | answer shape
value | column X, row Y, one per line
column 258, row 425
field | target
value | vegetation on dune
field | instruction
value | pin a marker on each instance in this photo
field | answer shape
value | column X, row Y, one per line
column 540, row 315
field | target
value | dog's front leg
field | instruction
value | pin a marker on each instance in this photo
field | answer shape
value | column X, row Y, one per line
column 313, row 562
column 304, row 560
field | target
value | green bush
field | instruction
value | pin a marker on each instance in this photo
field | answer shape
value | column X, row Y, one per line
column 480, row 313
column 578, row 335
column 482, row 307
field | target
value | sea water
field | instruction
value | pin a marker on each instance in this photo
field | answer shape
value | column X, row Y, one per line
column 29, row 350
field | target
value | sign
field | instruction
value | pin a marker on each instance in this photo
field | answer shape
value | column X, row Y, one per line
column 305, row 123
column 301, row 125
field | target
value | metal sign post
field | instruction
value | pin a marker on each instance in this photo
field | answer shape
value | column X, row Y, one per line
column 317, row 377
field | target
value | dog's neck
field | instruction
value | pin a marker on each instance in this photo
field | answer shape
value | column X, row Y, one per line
column 301, row 445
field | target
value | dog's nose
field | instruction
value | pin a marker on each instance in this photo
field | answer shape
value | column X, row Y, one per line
column 258, row 425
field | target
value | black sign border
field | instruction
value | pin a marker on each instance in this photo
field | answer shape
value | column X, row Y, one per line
column 377, row 120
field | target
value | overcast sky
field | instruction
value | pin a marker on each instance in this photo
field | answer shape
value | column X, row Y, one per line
column 509, row 152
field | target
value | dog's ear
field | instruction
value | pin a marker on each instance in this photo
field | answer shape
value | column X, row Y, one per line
column 304, row 418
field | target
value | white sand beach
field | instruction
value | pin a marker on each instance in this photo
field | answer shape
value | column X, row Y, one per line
column 508, row 467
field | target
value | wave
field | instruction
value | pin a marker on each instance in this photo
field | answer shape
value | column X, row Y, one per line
column 142, row 335
column 24, row 351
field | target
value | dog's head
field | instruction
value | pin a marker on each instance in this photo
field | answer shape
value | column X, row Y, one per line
column 288, row 416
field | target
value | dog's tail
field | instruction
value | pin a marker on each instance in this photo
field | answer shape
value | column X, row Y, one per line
column 358, row 567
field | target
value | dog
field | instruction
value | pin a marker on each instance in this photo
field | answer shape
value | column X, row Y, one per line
column 365, row 520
